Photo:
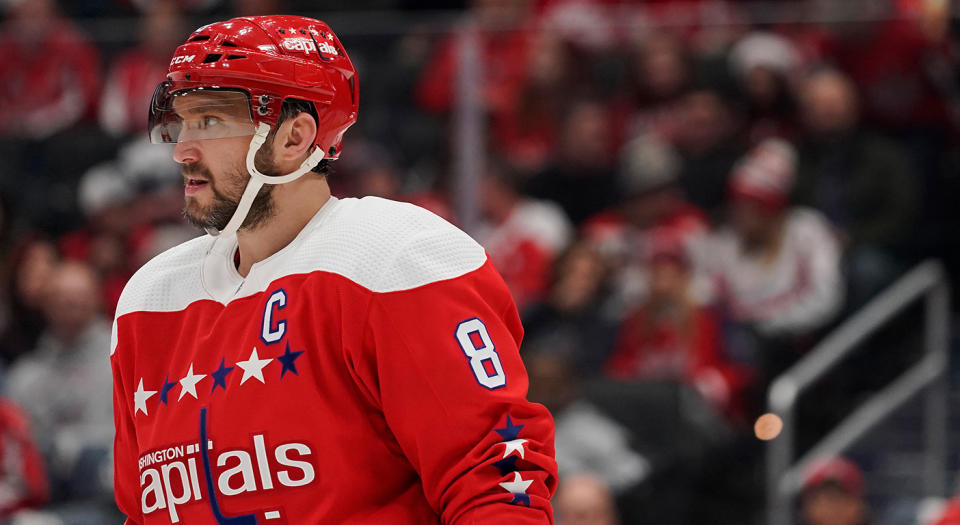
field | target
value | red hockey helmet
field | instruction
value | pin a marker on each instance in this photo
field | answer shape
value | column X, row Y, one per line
column 267, row 59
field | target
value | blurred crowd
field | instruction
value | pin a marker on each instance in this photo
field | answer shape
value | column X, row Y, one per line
column 682, row 196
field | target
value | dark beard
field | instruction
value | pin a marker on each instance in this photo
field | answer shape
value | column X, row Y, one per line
column 223, row 207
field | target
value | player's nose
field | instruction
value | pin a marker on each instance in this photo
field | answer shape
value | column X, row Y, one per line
column 185, row 152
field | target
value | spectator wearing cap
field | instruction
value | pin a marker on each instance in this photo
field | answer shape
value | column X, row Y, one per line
column 764, row 65
column 105, row 196
column 651, row 201
column 833, row 494
column 522, row 236
column 864, row 184
column 776, row 267
column 670, row 337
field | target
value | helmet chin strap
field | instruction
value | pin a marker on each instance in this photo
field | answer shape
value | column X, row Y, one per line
column 257, row 180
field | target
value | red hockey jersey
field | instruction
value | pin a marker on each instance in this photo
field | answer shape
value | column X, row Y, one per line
column 367, row 373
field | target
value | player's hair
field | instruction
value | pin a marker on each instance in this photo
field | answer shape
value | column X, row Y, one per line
column 292, row 107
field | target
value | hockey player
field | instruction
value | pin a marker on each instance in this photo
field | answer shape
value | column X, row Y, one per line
column 311, row 360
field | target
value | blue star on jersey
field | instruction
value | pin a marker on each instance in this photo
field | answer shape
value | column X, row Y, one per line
column 165, row 389
column 510, row 432
column 287, row 360
column 506, row 465
column 220, row 375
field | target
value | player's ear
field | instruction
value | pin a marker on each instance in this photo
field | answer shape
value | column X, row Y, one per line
column 295, row 136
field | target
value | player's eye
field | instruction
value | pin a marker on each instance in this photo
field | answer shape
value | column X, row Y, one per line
column 209, row 121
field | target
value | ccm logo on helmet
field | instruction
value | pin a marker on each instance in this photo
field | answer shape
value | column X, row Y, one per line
column 182, row 58
column 306, row 45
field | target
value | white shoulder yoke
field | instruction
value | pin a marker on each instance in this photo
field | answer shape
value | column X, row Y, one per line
column 385, row 246
column 381, row 245
column 168, row 282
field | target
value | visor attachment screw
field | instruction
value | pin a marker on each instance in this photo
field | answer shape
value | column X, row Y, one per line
column 262, row 109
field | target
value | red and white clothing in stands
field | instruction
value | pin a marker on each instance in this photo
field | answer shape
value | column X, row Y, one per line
column 631, row 246
column 524, row 246
column 126, row 95
column 367, row 373
column 50, row 80
column 798, row 290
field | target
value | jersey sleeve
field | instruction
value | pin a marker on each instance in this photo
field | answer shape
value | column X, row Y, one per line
column 126, row 482
column 446, row 370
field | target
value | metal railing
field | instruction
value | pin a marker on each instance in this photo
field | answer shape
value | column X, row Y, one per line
column 926, row 281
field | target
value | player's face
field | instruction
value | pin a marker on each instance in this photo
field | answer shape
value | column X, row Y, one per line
column 214, row 169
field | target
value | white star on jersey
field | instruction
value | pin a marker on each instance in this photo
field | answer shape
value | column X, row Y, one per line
column 188, row 385
column 140, row 398
column 514, row 446
column 518, row 485
column 253, row 367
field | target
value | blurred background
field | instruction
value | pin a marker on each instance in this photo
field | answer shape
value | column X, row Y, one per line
column 706, row 211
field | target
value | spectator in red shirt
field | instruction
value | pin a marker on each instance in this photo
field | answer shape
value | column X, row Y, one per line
column 526, row 131
column 503, row 34
column 135, row 74
column 51, row 72
column 670, row 337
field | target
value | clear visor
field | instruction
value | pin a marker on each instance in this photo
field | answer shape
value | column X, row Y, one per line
column 199, row 113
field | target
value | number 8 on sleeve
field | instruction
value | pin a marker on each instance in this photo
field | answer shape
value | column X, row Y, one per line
column 475, row 342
